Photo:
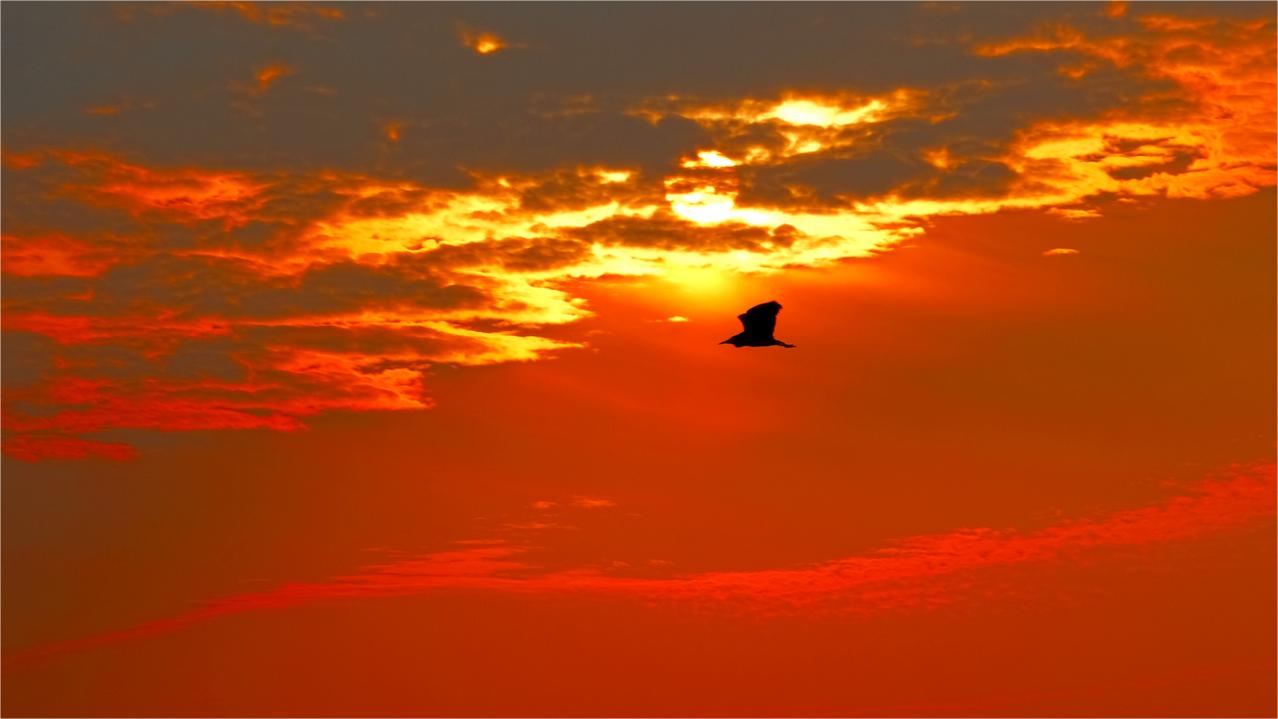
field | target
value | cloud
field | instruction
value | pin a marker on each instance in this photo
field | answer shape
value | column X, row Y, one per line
column 53, row 254
column 1224, row 121
column 104, row 109
column 334, row 245
column 913, row 574
column 269, row 74
column 32, row 448
column 215, row 375
column 482, row 42
column 277, row 14
column 178, row 194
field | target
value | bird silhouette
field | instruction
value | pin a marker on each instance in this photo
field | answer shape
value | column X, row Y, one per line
column 758, row 323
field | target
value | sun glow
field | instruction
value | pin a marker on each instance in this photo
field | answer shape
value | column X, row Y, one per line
column 710, row 159
column 814, row 112
column 612, row 177
column 483, row 42
column 703, row 281
column 705, row 204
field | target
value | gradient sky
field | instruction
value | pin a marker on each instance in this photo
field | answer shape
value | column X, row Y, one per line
column 361, row 359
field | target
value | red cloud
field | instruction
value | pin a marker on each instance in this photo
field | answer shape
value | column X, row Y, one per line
column 52, row 254
column 32, row 448
column 913, row 574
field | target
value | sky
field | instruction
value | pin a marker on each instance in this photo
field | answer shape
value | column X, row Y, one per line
column 362, row 359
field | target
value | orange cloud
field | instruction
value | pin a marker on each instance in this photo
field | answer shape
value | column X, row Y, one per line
column 279, row 14
column 482, row 42
column 292, row 369
column 431, row 271
column 22, row 160
column 178, row 192
column 1224, row 71
column 1222, row 146
column 269, row 74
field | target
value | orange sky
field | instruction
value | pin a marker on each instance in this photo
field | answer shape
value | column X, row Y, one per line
column 364, row 360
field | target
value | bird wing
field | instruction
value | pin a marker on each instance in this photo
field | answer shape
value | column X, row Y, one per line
column 761, row 319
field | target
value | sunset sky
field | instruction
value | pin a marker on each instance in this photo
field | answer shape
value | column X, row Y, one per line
column 362, row 359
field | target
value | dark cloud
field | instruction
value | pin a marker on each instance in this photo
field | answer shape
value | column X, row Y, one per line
column 829, row 180
column 667, row 232
column 36, row 199
column 404, row 63
column 212, row 358
column 577, row 188
column 27, row 358
column 204, row 286
column 973, row 178
column 516, row 254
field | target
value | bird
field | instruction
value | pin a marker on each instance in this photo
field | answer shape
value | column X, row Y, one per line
column 758, row 323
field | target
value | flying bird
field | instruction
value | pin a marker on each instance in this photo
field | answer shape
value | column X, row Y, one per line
column 758, row 323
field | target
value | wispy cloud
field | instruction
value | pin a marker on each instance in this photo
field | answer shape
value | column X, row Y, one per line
column 298, row 14
column 913, row 574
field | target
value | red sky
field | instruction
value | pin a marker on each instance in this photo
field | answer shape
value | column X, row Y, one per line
column 361, row 360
